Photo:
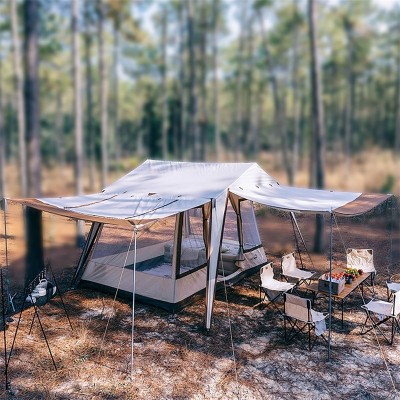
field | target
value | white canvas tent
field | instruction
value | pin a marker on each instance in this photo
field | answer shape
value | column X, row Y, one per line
column 158, row 190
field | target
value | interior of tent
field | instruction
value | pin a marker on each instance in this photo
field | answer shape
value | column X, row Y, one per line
column 171, row 256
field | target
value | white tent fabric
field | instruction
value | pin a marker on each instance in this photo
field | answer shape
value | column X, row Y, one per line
column 294, row 199
column 126, row 206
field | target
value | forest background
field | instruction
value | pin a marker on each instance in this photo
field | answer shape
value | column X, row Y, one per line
column 90, row 88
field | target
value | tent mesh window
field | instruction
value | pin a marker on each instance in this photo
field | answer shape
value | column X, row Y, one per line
column 230, row 227
column 251, row 237
column 153, row 248
column 192, row 246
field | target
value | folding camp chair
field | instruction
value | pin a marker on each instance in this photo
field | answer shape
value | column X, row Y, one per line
column 272, row 288
column 379, row 312
column 362, row 259
column 392, row 287
column 303, row 319
column 290, row 270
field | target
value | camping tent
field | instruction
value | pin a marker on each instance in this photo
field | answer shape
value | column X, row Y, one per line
column 197, row 196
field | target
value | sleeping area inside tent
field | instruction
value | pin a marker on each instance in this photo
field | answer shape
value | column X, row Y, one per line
column 171, row 256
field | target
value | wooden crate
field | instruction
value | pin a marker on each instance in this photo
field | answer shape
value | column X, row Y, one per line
column 337, row 287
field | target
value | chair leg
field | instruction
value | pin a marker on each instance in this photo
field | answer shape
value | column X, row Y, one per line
column 284, row 325
column 393, row 330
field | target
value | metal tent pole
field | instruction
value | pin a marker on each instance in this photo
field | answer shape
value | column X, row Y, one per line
column 3, row 311
column 8, row 295
column 330, row 287
column 133, row 298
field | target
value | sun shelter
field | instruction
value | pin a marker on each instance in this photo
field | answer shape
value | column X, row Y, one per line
column 177, row 228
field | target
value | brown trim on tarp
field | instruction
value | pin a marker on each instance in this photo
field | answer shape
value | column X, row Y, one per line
column 362, row 204
column 38, row 205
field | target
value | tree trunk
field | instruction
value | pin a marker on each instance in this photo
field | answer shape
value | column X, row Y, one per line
column 103, row 95
column 164, row 95
column 116, row 33
column 238, row 128
column 296, row 106
column 32, row 111
column 318, row 121
column 2, row 145
column 193, row 126
column 182, row 85
column 59, row 131
column 19, row 87
column 90, row 133
column 349, row 96
column 77, row 98
column 203, row 82
column 279, row 107
column 248, row 117
column 217, row 134
column 397, row 102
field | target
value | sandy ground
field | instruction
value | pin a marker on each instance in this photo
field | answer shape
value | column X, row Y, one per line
column 174, row 358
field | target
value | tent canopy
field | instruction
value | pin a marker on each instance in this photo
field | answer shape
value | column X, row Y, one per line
column 158, row 189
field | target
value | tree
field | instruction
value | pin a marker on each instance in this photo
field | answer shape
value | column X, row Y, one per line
column 238, row 128
column 77, row 98
column 2, row 144
column 217, row 134
column 182, row 82
column 193, row 126
column 103, row 94
column 278, row 102
column 118, row 12
column 318, row 122
column 19, row 89
column 32, row 110
column 164, row 93
column 90, row 133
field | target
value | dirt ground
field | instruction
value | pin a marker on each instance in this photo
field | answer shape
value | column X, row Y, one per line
column 244, row 356
column 174, row 358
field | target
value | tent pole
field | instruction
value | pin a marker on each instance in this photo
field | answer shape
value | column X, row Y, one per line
column 4, row 202
column 3, row 311
column 296, row 240
column 330, row 287
column 133, row 298
column 301, row 236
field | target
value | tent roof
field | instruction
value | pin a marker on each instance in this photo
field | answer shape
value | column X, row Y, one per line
column 158, row 189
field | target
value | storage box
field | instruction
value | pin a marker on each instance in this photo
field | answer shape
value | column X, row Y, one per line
column 337, row 286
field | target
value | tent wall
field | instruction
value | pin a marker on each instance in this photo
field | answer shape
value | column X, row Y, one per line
column 218, row 208
column 92, row 237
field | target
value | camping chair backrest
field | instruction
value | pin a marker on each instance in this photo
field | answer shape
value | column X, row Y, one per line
column 297, row 307
column 266, row 273
column 361, row 259
column 288, row 263
column 396, row 303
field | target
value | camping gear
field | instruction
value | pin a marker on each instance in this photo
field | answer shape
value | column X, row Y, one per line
column 160, row 189
column 303, row 319
column 272, row 288
column 379, row 312
column 290, row 270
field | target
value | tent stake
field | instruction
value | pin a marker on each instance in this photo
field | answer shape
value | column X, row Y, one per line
column 133, row 299
column 330, row 287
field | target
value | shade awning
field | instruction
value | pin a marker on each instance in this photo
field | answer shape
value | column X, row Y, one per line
column 114, row 209
column 310, row 200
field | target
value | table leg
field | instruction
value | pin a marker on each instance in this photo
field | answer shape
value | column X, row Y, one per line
column 342, row 310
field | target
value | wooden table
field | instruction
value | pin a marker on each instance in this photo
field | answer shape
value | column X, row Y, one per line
column 348, row 289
